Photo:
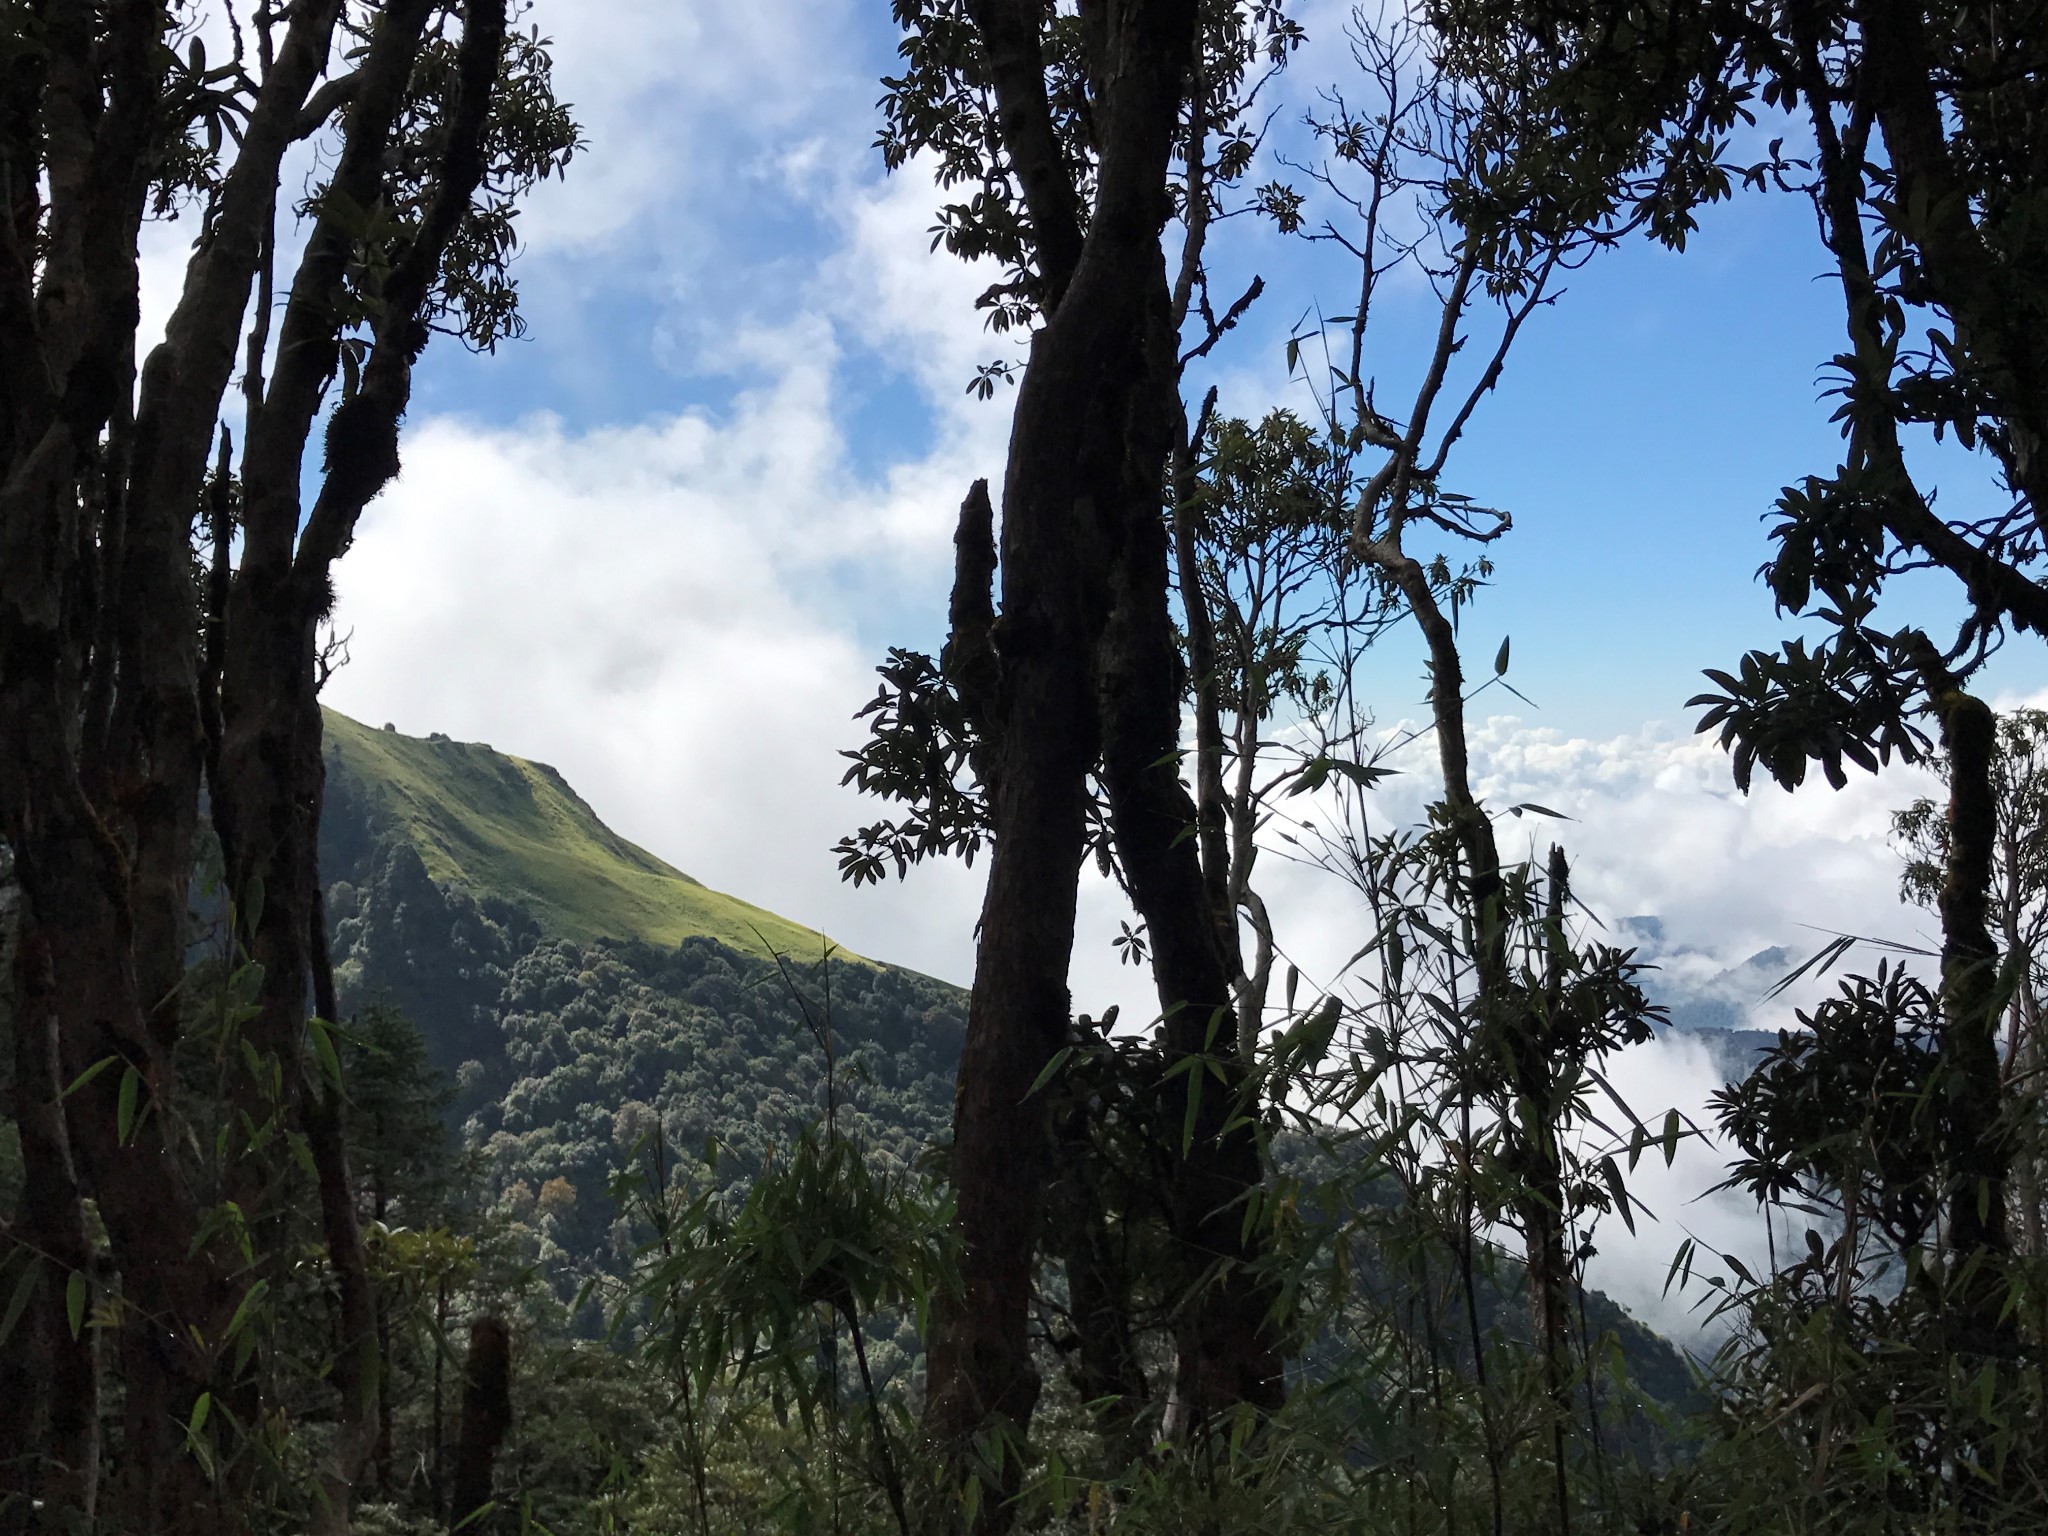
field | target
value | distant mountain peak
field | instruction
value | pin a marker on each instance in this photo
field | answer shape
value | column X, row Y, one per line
column 496, row 825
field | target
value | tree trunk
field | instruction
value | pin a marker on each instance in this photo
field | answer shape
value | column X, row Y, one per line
column 1064, row 503
column 1107, row 1371
column 486, row 1416
column 1212, row 804
column 361, row 1363
column 1225, row 1353
column 52, row 1449
column 1979, row 1147
column 1499, row 1004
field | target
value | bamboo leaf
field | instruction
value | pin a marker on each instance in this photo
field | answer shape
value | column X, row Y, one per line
column 1050, row 1070
column 125, row 1106
column 249, row 1299
column 87, row 1076
column 323, row 1051
column 24, row 1288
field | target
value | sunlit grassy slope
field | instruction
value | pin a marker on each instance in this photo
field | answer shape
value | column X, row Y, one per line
column 501, row 826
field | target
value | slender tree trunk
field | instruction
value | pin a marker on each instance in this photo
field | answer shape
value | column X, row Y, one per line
column 361, row 1363
column 1499, row 1004
column 1978, row 1135
column 486, row 1416
column 270, row 778
column 437, row 1463
column 76, row 941
column 1212, row 805
column 1063, row 505
column 2027, row 1066
column 52, row 1450
column 1108, row 1372
column 1225, row 1353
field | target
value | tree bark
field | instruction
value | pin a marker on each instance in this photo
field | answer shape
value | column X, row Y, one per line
column 1499, row 1004
column 1998, row 315
column 99, row 778
column 1212, row 804
column 270, row 779
column 1064, row 510
column 52, row 1451
column 1225, row 1354
column 486, row 1416
column 1979, row 1143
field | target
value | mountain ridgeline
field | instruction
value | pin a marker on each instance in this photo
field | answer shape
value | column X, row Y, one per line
column 574, row 988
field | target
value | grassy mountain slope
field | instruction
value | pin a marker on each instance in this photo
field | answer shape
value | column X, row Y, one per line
column 500, row 826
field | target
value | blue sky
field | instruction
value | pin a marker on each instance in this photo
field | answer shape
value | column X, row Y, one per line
column 1640, row 435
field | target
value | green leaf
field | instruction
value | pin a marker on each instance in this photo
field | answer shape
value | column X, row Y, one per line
column 1681, row 1260
column 76, row 1294
column 323, row 1051
column 196, row 1425
column 1359, row 774
column 1619, row 1190
column 249, row 1299
column 1313, row 773
column 87, row 1076
column 1050, row 1070
column 24, row 1288
column 125, row 1107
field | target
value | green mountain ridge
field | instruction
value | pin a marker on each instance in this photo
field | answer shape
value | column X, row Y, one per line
column 578, row 990
column 496, row 825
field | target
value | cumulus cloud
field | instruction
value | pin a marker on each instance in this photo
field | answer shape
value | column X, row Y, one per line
column 681, row 103
column 643, row 607
column 682, row 612
column 1654, row 826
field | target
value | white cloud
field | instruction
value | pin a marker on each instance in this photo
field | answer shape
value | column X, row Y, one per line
column 676, row 101
column 1654, row 826
column 683, row 614
column 642, row 607
column 1679, row 1199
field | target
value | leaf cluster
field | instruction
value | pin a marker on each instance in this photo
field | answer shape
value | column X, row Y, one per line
column 920, row 748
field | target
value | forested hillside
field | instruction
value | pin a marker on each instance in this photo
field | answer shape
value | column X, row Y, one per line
column 575, row 990
column 565, row 1052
